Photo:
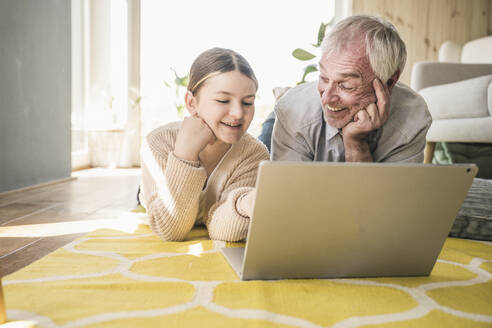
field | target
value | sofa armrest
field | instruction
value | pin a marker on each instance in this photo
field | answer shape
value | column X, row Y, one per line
column 450, row 52
column 426, row 74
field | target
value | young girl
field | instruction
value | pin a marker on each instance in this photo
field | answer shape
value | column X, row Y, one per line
column 203, row 170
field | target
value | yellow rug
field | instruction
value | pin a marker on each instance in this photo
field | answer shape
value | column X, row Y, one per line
column 111, row 278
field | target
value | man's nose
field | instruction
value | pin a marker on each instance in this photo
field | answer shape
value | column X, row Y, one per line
column 329, row 94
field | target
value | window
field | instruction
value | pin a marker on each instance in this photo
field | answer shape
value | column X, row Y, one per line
column 80, row 151
column 264, row 32
column 99, row 80
column 125, row 51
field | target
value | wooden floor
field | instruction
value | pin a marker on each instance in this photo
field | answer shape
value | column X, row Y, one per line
column 36, row 222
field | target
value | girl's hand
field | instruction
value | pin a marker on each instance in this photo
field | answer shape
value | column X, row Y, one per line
column 247, row 203
column 193, row 136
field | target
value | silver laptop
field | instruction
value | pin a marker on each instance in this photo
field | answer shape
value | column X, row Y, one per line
column 333, row 220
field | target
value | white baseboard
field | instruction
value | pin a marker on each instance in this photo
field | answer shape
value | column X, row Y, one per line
column 44, row 184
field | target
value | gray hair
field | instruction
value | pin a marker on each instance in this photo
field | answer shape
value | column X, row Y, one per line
column 384, row 47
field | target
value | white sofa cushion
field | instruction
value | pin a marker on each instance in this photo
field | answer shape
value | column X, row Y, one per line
column 464, row 99
column 461, row 130
column 477, row 51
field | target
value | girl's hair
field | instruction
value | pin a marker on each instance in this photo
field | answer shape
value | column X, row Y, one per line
column 214, row 62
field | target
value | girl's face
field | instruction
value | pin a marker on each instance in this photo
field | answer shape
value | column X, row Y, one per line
column 226, row 102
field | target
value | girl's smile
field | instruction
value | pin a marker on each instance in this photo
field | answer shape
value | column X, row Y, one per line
column 226, row 103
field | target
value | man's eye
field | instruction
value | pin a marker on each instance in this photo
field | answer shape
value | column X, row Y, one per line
column 222, row 101
column 247, row 103
column 345, row 87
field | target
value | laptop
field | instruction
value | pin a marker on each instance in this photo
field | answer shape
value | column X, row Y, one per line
column 340, row 220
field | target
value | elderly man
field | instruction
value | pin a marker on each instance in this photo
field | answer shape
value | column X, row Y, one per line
column 356, row 111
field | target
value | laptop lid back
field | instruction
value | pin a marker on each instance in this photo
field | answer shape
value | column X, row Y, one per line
column 327, row 220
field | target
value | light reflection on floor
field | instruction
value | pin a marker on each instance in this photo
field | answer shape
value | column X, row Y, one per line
column 126, row 222
column 107, row 172
column 19, row 324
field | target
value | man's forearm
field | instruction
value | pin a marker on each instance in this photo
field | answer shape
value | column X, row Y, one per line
column 357, row 151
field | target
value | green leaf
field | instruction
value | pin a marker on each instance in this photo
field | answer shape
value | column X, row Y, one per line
column 311, row 68
column 184, row 81
column 308, row 69
column 180, row 81
column 181, row 110
column 302, row 54
column 177, row 81
column 321, row 33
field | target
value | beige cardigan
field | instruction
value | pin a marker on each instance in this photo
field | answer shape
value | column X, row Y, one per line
column 174, row 193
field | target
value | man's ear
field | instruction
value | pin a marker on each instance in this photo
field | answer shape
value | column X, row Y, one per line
column 392, row 80
column 190, row 102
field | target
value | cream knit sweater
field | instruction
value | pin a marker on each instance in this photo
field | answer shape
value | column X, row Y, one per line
column 177, row 194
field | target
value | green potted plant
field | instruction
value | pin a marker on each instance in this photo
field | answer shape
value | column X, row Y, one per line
column 179, row 84
column 308, row 56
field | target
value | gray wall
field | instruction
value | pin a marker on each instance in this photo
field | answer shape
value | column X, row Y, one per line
column 35, row 92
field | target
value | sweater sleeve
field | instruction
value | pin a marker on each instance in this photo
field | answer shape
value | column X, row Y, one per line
column 171, row 189
column 225, row 221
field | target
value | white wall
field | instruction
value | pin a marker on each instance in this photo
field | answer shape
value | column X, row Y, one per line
column 34, row 92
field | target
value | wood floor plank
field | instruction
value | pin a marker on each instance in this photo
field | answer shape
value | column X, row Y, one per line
column 33, row 252
column 36, row 222
column 34, row 195
column 17, row 210
column 9, row 245
column 58, row 221
column 60, row 213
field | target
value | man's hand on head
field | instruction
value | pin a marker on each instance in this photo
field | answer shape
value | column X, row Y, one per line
column 366, row 120
column 372, row 117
